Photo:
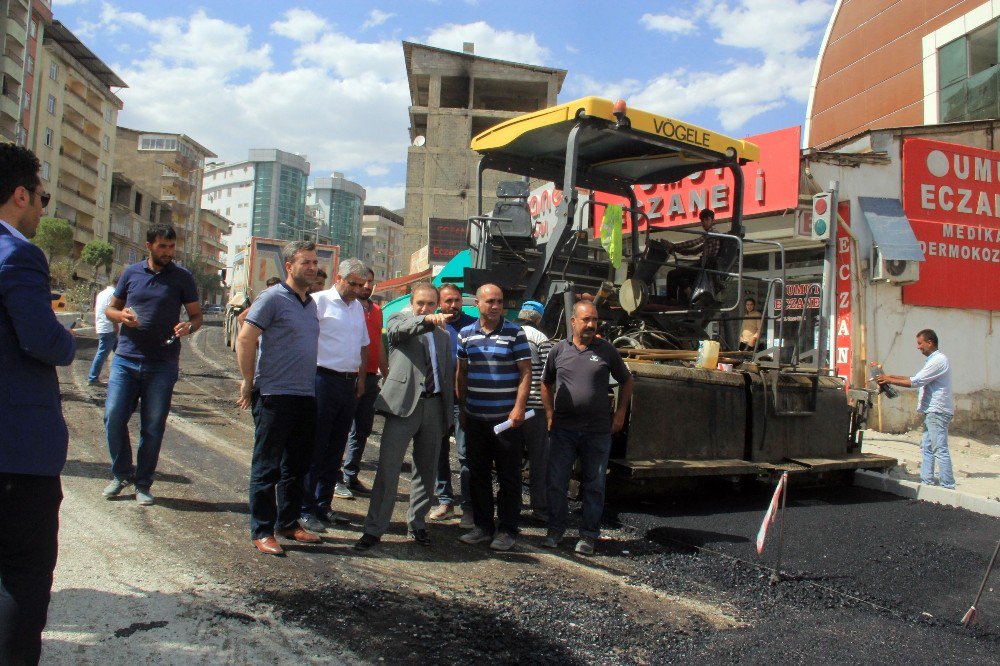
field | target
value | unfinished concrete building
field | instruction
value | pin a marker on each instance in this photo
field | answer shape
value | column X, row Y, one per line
column 453, row 97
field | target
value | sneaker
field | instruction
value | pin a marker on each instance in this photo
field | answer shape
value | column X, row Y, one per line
column 331, row 517
column 442, row 512
column 311, row 523
column 468, row 522
column 115, row 488
column 358, row 488
column 477, row 535
column 585, row 546
column 341, row 491
column 503, row 541
column 552, row 539
column 143, row 497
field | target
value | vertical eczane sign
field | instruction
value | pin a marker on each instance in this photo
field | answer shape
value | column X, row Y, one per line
column 843, row 325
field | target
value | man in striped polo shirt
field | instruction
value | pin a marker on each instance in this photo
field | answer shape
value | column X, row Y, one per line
column 494, row 379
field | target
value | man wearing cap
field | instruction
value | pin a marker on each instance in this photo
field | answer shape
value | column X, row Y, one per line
column 536, row 437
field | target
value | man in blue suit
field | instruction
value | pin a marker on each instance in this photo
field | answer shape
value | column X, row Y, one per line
column 33, row 435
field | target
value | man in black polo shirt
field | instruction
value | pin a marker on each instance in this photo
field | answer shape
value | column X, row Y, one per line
column 575, row 393
column 147, row 304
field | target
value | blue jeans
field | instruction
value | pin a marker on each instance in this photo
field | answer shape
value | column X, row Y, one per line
column 284, row 430
column 445, row 492
column 106, row 343
column 592, row 448
column 361, row 429
column 148, row 385
column 335, row 402
column 934, row 445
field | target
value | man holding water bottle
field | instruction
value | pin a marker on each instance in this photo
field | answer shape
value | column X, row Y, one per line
column 147, row 304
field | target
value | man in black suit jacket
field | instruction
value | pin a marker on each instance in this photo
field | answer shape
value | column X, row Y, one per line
column 33, row 435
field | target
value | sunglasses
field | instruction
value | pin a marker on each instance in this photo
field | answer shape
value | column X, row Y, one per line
column 44, row 196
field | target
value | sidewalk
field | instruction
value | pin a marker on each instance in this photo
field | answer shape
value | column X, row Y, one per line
column 976, row 465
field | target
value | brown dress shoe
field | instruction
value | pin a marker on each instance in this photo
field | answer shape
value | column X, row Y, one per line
column 298, row 534
column 269, row 546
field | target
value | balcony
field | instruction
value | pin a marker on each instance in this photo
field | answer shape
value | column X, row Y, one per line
column 214, row 242
column 13, row 66
column 72, row 196
column 79, row 168
column 83, row 235
column 75, row 132
column 15, row 29
column 9, row 104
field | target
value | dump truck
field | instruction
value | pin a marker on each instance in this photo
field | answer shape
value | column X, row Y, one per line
column 259, row 260
column 768, row 410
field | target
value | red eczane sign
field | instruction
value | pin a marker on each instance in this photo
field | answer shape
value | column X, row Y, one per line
column 842, row 334
column 770, row 184
column 951, row 195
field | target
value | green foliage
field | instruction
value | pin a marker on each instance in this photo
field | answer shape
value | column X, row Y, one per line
column 61, row 273
column 80, row 298
column 205, row 276
column 97, row 253
column 54, row 236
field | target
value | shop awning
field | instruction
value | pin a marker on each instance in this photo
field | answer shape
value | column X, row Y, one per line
column 891, row 231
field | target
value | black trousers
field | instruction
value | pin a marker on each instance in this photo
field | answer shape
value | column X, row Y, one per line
column 29, row 544
column 282, row 449
column 484, row 450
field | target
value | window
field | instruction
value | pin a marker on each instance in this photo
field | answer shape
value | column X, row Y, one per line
column 106, row 142
column 969, row 76
column 108, row 114
column 100, row 200
column 104, row 171
column 50, row 104
column 54, row 72
column 30, row 62
column 48, row 137
column 46, row 168
column 32, row 28
column 27, row 100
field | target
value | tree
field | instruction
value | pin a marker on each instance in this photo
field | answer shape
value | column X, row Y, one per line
column 61, row 273
column 97, row 253
column 55, row 237
column 206, row 277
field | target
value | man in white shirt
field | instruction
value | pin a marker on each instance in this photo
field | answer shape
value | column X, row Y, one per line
column 935, row 402
column 341, row 371
column 107, row 332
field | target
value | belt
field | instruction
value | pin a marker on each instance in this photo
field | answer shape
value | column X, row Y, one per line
column 336, row 373
column 425, row 394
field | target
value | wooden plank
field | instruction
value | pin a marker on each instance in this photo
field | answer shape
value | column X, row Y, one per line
column 663, row 468
column 846, row 461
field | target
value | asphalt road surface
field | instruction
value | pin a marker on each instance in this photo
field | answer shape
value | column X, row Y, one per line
column 868, row 577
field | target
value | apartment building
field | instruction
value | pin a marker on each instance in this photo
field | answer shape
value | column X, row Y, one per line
column 262, row 196
column 74, row 136
column 133, row 210
column 382, row 242
column 22, row 25
column 170, row 166
column 336, row 205
column 453, row 97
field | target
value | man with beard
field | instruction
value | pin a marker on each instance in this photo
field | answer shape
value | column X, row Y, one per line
column 364, row 413
column 575, row 393
column 279, row 384
column 146, row 304
column 450, row 304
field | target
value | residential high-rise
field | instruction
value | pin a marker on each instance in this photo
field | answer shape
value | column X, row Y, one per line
column 263, row 196
column 382, row 242
column 133, row 210
column 22, row 25
column 168, row 165
column 455, row 96
column 336, row 206
column 74, row 135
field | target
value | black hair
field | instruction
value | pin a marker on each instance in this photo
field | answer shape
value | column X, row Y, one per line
column 271, row 281
column 320, row 273
column 164, row 231
column 18, row 168
column 706, row 212
column 929, row 335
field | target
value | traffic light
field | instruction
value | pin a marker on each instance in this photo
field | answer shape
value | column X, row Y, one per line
column 824, row 215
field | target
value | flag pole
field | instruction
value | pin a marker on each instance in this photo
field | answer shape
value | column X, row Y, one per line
column 776, row 575
column 970, row 615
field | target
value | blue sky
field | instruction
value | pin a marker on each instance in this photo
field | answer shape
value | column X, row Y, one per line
column 327, row 79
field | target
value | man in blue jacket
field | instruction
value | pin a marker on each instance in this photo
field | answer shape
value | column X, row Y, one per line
column 33, row 435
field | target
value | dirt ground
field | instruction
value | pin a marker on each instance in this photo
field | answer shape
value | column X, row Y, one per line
column 674, row 580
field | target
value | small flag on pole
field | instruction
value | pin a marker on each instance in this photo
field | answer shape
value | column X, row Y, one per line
column 772, row 513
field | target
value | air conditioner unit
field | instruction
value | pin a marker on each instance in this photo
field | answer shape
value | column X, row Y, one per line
column 893, row 271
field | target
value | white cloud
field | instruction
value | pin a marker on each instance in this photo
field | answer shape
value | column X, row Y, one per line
column 300, row 25
column 668, row 23
column 490, row 42
column 375, row 18
column 772, row 71
column 392, row 197
column 377, row 170
column 348, row 57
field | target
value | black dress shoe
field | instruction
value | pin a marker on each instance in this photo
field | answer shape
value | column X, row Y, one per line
column 420, row 536
column 357, row 487
column 366, row 541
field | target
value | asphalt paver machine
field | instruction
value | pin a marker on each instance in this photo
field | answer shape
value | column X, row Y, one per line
column 768, row 411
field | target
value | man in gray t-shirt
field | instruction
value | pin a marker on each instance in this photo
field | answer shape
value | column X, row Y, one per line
column 279, row 385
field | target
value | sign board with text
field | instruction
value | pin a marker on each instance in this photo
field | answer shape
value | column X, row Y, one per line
column 445, row 239
column 951, row 195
